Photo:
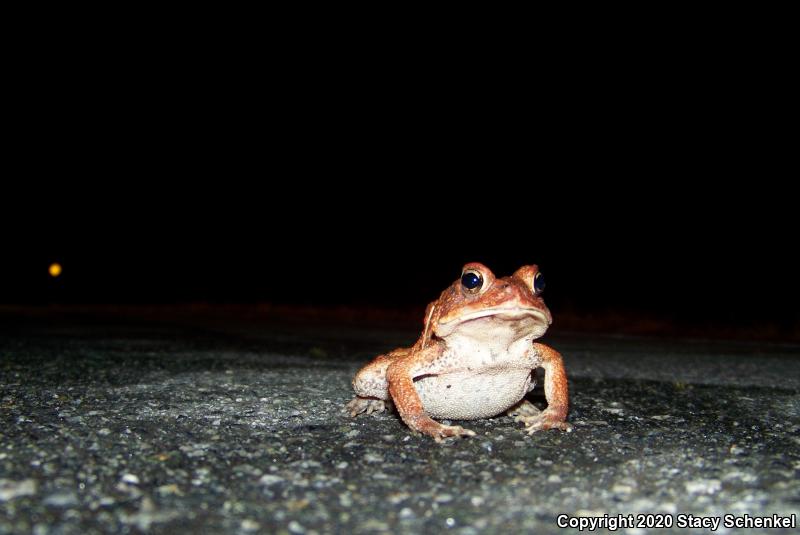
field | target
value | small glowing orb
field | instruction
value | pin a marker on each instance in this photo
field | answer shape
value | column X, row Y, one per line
column 55, row 269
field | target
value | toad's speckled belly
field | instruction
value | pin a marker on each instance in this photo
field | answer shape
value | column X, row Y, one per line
column 469, row 395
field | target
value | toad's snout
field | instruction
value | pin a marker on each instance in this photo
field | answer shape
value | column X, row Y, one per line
column 509, row 291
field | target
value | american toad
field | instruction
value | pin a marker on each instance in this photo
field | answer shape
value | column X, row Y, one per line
column 475, row 359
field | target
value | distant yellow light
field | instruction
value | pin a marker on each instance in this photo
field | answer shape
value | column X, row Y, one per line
column 55, row 269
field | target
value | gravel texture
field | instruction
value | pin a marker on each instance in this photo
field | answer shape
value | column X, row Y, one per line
column 136, row 426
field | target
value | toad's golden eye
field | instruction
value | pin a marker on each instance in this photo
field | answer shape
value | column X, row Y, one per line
column 472, row 281
column 538, row 283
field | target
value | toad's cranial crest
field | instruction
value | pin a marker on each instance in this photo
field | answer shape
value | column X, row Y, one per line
column 475, row 359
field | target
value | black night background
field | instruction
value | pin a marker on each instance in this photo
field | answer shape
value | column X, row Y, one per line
column 658, row 205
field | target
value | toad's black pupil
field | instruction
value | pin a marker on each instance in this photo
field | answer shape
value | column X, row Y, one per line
column 470, row 280
column 538, row 283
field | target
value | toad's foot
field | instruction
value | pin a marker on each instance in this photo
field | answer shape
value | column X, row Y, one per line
column 445, row 431
column 542, row 421
column 523, row 409
column 366, row 405
column 439, row 432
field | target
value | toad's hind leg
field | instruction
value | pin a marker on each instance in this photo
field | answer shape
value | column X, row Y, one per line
column 523, row 409
column 360, row 405
column 371, row 385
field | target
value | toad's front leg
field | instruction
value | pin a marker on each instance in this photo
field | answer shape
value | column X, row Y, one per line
column 400, row 375
column 556, row 392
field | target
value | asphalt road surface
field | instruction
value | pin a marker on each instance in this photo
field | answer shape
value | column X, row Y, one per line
column 132, row 423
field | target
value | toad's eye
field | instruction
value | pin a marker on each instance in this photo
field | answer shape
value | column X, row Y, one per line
column 538, row 283
column 471, row 281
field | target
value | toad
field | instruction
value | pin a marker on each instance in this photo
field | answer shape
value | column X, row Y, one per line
column 476, row 358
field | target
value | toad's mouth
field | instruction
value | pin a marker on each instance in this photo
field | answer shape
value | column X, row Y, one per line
column 504, row 313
